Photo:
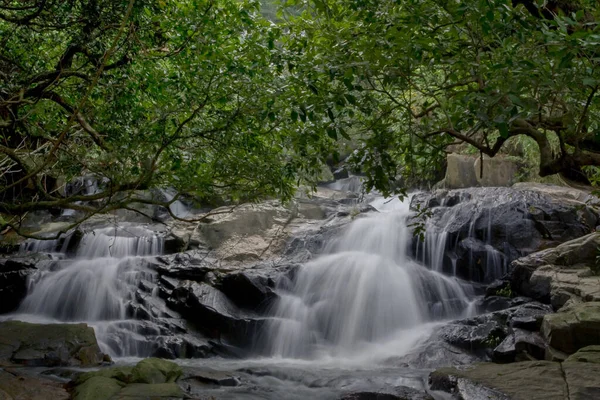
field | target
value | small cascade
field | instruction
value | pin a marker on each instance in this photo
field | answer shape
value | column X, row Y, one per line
column 353, row 184
column 178, row 209
column 365, row 290
column 458, row 248
column 97, row 286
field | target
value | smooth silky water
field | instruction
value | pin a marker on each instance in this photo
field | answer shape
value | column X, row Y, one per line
column 338, row 325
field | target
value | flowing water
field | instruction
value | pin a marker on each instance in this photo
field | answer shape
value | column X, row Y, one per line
column 95, row 286
column 336, row 325
column 364, row 292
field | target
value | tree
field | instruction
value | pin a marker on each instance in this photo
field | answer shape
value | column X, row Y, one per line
column 413, row 77
column 142, row 94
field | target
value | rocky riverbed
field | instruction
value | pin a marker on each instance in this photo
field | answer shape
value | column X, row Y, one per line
column 503, row 276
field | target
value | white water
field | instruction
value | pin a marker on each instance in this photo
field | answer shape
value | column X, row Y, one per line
column 364, row 295
column 433, row 250
column 177, row 207
column 96, row 286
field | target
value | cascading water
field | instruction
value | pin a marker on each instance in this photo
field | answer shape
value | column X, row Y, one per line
column 439, row 249
column 96, row 286
column 364, row 290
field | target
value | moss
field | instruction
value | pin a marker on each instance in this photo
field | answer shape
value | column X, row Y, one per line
column 156, row 370
column 98, row 388
column 151, row 391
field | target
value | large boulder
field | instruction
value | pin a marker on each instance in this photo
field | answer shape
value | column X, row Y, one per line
column 564, row 273
column 464, row 171
column 502, row 224
column 49, row 345
column 529, row 380
column 573, row 328
column 214, row 313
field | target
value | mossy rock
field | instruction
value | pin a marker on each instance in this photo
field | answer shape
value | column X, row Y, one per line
column 573, row 328
column 155, row 370
column 122, row 374
column 98, row 388
column 590, row 354
column 49, row 344
column 150, row 391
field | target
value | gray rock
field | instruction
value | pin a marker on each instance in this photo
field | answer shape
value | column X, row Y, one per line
column 214, row 313
column 485, row 332
column 514, row 221
column 520, row 344
column 560, row 274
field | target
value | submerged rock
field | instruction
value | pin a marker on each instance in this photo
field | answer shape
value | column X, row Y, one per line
column 36, row 345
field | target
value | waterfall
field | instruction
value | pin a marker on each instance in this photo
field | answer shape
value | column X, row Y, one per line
column 364, row 290
column 459, row 248
column 97, row 285
column 177, row 207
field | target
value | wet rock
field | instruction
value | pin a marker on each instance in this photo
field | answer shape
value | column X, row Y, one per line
column 515, row 221
column 48, row 345
column 573, row 328
column 497, row 303
column 213, row 312
column 13, row 280
column 194, row 265
column 485, row 332
column 500, row 287
column 520, row 344
column 16, row 385
column 476, row 334
column 398, row 393
column 561, row 274
column 341, row 173
column 478, row 262
column 249, row 289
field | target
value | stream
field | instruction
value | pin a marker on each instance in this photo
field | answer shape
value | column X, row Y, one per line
column 353, row 319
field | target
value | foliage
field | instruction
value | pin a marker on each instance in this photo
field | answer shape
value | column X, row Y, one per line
column 415, row 76
column 505, row 292
column 211, row 98
column 142, row 94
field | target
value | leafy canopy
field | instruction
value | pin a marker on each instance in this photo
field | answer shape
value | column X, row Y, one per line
column 142, row 94
column 416, row 76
